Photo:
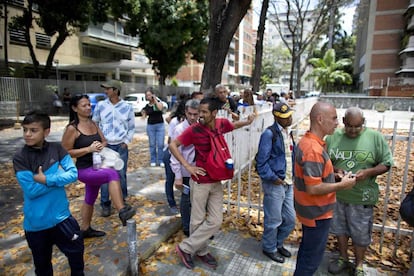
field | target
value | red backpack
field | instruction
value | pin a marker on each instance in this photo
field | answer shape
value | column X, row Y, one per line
column 216, row 159
column 215, row 163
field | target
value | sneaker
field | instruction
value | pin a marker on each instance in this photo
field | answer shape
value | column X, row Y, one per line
column 185, row 257
column 338, row 265
column 153, row 164
column 174, row 210
column 209, row 260
column 106, row 211
column 162, row 165
column 126, row 213
column 92, row 233
column 359, row 271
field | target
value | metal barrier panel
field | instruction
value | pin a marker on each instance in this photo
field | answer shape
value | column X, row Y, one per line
column 244, row 142
column 19, row 95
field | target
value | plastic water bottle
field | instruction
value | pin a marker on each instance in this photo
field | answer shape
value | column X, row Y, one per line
column 97, row 160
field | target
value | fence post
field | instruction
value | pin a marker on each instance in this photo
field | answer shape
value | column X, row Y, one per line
column 132, row 247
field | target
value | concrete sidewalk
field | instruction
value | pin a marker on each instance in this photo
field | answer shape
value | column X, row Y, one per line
column 237, row 253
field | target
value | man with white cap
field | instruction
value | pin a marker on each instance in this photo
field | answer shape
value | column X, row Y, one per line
column 275, row 167
column 116, row 119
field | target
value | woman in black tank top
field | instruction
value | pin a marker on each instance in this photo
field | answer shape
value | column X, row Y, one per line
column 81, row 138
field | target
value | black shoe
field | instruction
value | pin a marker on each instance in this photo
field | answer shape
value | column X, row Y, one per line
column 275, row 256
column 92, row 233
column 185, row 257
column 106, row 211
column 284, row 252
column 126, row 213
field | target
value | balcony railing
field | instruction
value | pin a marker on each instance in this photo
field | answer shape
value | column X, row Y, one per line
column 96, row 32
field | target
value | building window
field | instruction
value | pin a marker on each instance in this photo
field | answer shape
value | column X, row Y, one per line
column 17, row 36
column 42, row 41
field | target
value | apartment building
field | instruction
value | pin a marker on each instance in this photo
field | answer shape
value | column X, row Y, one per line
column 384, row 56
column 273, row 38
column 102, row 51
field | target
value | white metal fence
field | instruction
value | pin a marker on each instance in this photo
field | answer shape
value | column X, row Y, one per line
column 244, row 142
column 18, row 95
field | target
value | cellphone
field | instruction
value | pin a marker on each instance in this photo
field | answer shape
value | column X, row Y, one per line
column 352, row 175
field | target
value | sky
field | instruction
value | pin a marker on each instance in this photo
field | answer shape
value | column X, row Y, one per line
column 347, row 17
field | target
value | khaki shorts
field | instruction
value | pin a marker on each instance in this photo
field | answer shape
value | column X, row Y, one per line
column 354, row 221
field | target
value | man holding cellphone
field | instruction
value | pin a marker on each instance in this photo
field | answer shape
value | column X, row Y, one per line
column 366, row 154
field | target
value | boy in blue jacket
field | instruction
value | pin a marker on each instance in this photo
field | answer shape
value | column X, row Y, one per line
column 42, row 170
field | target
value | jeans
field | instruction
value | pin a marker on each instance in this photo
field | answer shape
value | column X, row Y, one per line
column 169, row 179
column 156, row 137
column 279, row 215
column 123, row 152
column 185, row 208
column 41, row 244
column 312, row 247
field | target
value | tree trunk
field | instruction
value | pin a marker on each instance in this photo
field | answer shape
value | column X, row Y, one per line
column 224, row 21
column 331, row 23
column 59, row 41
column 6, row 55
column 257, row 71
column 28, row 20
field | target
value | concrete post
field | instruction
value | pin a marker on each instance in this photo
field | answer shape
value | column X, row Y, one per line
column 132, row 247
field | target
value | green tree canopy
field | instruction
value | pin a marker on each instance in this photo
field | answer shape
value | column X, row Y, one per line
column 170, row 31
column 328, row 71
column 276, row 60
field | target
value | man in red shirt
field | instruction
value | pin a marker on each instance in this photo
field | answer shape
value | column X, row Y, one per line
column 206, row 193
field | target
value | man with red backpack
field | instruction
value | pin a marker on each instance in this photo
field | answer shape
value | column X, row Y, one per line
column 205, row 185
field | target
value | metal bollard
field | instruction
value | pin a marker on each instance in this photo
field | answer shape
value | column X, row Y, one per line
column 132, row 247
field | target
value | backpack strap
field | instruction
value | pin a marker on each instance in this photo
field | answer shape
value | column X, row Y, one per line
column 274, row 132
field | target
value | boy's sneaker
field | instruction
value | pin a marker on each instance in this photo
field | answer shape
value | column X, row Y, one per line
column 359, row 271
column 338, row 265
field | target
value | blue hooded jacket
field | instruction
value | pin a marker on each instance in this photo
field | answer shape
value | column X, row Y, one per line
column 45, row 205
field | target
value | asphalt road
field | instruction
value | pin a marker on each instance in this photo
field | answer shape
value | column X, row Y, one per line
column 11, row 139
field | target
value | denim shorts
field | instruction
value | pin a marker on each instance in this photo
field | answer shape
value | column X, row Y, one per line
column 354, row 221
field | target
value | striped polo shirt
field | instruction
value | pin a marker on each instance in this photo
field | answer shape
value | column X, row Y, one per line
column 312, row 166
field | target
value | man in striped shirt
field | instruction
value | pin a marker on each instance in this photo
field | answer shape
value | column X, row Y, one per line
column 315, row 188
